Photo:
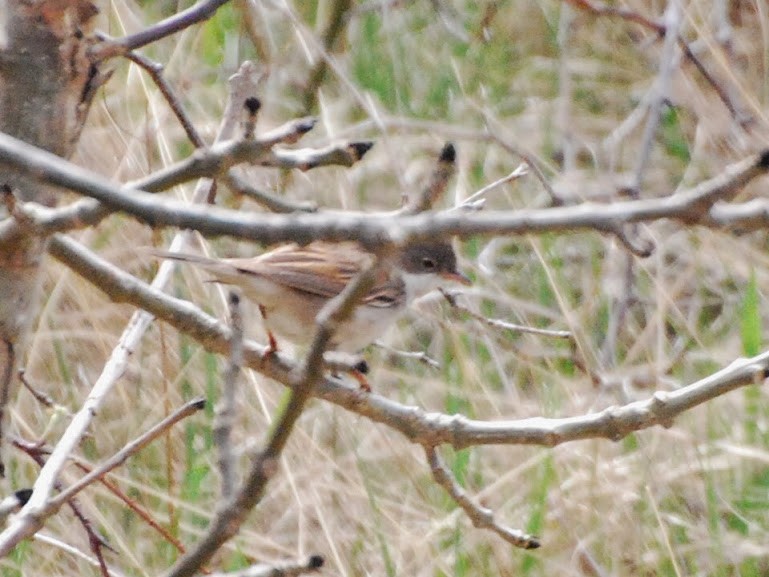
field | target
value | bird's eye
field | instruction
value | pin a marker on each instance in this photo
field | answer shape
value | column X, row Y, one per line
column 428, row 263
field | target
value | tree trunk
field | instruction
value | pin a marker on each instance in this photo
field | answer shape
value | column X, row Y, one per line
column 46, row 85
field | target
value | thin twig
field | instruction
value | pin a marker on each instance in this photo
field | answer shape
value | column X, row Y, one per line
column 155, row 71
column 520, row 171
column 50, row 541
column 264, row 199
column 171, row 25
column 335, row 26
column 482, row 517
column 95, row 540
column 41, row 397
column 131, row 448
column 501, row 324
column 661, row 93
column 420, row 356
column 287, row 569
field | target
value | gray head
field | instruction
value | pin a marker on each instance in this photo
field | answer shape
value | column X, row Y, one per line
column 432, row 258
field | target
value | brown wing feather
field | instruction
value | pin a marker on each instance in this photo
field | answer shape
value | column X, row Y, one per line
column 308, row 269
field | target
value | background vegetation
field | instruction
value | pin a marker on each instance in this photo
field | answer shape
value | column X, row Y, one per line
column 563, row 86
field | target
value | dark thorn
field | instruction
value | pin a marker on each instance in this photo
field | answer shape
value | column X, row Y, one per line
column 361, row 366
column 199, row 404
column 306, row 125
column 763, row 161
column 315, row 562
column 448, row 154
column 252, row 104
column 23, row 496
column 360, row 148
column 533, row 543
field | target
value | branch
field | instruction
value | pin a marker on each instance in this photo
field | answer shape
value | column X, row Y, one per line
column 190, row 408
column 206, row 163
column 117, row 47
column 742, row 117
column 155, row 71
column 264, row 463
column 437, row 184
column 32, row 518
column 290, row 569
column 429, row 429
column 225, row 411
column 502, row 324
column 376, row 230
column 482, row 517
column 476, row 199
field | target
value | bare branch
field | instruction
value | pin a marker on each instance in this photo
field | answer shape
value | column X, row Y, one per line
column 520, row 171
column 420, row 356
column 482, row 517
column 264, row 199
column 430, row 429
column 376, row 230
column 117, row 47
column 661, row 92
column 155, row 71
column 42, row 220
column 502, row 324
column 437, row 184
column 133, row 447
column 290, row 569
column 225, row 411
column 334, row 27
column 728, row 97
column 345, row 154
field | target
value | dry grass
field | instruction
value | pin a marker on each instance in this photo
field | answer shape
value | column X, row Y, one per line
column 689, row 500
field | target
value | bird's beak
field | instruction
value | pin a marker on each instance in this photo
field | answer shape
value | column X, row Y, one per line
column 457, row 277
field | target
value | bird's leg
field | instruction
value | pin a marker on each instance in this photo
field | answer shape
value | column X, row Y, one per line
column 272, row 344
column 358, row 373
column 340, row 363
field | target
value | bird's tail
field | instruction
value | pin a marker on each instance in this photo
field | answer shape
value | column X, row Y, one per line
column 197, row 259
column 221, row 270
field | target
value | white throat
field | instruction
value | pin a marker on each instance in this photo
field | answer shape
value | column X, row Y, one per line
column 418, row 285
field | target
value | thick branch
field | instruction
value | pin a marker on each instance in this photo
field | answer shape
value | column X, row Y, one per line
column 429, row 429
column 374, row 230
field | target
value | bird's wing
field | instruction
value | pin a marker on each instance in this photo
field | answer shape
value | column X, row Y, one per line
column 311, row 270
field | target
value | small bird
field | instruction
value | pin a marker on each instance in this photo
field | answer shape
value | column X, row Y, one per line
column 292, row 283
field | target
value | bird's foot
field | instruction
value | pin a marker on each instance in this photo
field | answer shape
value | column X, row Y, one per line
column 272, row 347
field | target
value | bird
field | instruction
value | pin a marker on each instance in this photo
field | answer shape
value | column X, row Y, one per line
column 291, row 283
